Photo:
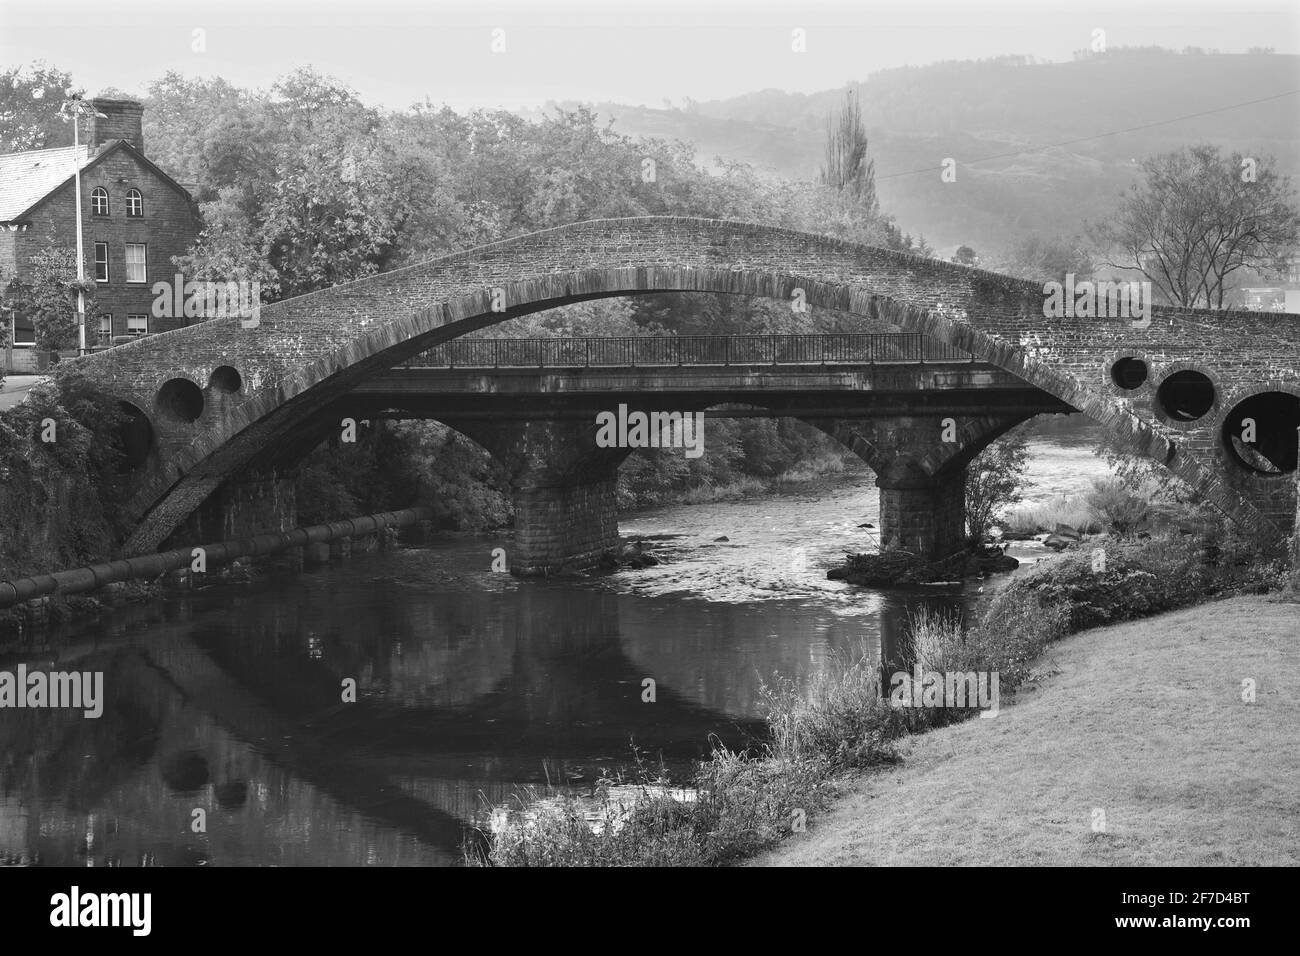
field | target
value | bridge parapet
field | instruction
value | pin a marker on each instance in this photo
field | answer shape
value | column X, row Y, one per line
column 622, row 351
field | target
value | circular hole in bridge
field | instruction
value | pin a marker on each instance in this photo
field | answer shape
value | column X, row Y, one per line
column 1128, row 373
column 226, row 378
column 1186, row 396
column 1260, row 433
column 181, row 400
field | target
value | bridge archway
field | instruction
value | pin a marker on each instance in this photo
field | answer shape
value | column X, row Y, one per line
column 308, row 351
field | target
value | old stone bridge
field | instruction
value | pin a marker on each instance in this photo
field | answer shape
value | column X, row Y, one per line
column 221, row 410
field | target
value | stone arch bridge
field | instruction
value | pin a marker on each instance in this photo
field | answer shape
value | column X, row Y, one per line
column 1212, row 396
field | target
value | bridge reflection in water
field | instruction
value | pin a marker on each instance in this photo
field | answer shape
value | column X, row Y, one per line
column 230, row 702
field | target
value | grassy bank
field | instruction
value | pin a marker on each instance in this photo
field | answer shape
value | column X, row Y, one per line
column 1143, row 722
column 821, row 740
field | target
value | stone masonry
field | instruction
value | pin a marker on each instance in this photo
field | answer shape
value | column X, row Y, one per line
column 308, row 351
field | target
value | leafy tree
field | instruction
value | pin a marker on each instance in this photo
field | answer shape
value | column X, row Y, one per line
column 1039, row 258
column 965, row 256
column 30, row 98
column 48, row 298
column 1199, row 218
column 993, row 481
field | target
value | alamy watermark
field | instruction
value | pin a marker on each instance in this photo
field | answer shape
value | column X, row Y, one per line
column 1098, row 300
column 208, row 300
column 651, row 430
column 77, row 909
column 947, row 689
column 75, row 689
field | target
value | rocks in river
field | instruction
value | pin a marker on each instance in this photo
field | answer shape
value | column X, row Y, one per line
column 902, row 567
column 723, row 538
column 628, row 556
column 1062, row 537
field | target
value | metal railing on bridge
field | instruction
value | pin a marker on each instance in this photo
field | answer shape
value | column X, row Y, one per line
column 625, row 351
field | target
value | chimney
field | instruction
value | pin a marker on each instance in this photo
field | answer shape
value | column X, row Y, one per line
column 122, row 120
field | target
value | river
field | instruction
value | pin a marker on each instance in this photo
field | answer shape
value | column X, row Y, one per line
column 224, row 739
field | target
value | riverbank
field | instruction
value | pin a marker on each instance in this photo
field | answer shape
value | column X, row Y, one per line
column 1142, row 722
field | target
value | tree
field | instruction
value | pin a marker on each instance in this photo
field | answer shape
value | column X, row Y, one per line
column 30, row 98
column 48, row 298
column 847, row 167
column 1199, row 218
column 1040, row 258
column 965, row 256
column 993, row 482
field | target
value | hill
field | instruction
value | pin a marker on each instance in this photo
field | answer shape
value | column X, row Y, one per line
column 972, row 110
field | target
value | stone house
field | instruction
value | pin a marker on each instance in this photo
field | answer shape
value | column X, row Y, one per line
column 134, row 219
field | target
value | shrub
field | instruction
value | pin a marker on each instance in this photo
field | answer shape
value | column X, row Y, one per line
column 1121, row 510
column 842, row 717
column 993, row 482
column 1045, row 516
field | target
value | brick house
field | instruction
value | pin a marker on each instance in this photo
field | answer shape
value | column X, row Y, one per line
column 134, row 219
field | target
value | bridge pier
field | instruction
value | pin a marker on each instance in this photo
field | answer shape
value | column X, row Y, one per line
column 244, row 505
column 564, row 490
column 920, row 463
column 560, row 525
column 925, row 515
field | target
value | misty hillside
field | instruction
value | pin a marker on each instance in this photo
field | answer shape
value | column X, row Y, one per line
column 918, row 116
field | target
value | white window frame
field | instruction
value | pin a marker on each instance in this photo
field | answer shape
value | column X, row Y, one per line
column 13, row 332
column 94, row 206
column 106, row 334
column 133, row 316
column 134, row 201
column 144, row 262
column 97, row 246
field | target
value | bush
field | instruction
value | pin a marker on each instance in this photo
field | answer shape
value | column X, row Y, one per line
column 993, row 482
column 1140, row 578
column 842, row 718
column 1045, row 516
column 1121, row 510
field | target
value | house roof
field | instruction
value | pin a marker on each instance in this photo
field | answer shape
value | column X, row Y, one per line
column 27, row 178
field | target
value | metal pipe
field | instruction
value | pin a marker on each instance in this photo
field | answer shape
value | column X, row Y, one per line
column 79, row 580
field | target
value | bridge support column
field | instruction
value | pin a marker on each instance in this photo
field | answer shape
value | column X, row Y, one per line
column 924, row 515
column 564, row 489
column 920, row 463
column 560, row 525
column 243, row 506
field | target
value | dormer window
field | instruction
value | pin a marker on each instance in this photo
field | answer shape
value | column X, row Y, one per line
column 99, row 201
column 134, row 204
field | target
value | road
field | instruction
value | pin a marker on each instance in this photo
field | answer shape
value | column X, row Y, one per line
column 14, row 389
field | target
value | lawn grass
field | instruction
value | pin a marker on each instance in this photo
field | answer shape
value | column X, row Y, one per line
column 1142, row 720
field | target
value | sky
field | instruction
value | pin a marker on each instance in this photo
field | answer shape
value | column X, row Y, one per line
column 398, row 52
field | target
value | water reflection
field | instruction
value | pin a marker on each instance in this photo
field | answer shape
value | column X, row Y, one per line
column 470, row 684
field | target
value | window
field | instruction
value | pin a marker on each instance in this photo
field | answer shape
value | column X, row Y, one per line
column 101, row 262
column 134, row 203
column 135, row 264
column 106, row 328
column 137, row 324
column 22, row 333
column 99, row 201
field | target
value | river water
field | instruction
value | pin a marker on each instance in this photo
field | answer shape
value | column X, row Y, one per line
column 224, row 739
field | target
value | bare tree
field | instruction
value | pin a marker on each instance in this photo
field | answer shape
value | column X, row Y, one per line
column 1199, row 218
